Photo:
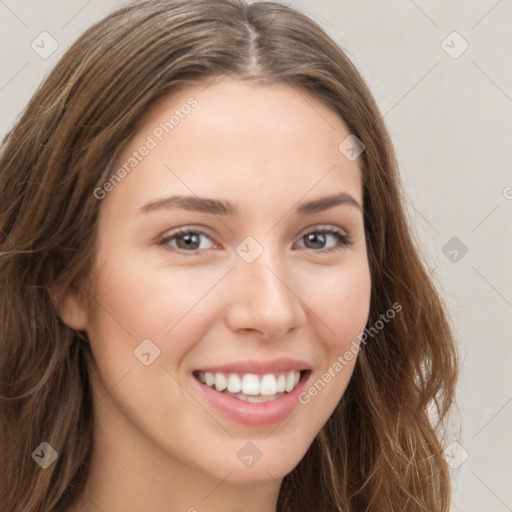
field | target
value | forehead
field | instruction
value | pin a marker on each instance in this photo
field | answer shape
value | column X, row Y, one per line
column 240, row 108
column 229, row 135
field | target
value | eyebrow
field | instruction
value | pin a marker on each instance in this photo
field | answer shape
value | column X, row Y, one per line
column 221, row 207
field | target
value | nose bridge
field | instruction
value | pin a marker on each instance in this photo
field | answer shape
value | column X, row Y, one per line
column 261, row 297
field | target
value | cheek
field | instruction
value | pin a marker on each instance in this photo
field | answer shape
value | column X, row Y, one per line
column 135, row 301
column 137, row 311
column 341, row 305
column 340, row 300
column 351, row 305
column 140, row 299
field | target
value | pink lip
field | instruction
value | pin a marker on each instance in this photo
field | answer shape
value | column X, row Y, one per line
column 259, row 367
column 253, row 414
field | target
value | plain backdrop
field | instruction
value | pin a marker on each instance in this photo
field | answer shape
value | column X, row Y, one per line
column 440, row 72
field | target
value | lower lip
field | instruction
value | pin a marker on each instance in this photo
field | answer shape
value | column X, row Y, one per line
column 263, row 413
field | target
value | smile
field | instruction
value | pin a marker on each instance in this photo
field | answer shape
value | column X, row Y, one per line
column 249, row 386
column 253, row 392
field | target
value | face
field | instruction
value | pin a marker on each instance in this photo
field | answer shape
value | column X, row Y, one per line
column 213, row 320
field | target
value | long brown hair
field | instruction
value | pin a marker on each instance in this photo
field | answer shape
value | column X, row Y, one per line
column 382, row 448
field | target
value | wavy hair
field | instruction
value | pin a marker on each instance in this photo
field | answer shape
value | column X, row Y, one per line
column 382, row 448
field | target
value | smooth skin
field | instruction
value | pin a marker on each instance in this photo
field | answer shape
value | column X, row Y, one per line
column 158, row 444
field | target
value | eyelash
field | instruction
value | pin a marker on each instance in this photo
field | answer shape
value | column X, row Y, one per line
column 343, row 239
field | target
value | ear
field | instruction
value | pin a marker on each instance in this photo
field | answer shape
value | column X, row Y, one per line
column 71, row 307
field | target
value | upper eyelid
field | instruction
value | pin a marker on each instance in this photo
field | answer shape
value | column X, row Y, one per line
column 205, row 231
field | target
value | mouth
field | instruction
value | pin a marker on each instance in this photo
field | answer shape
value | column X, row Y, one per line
column 252, row 392
column 251, row 387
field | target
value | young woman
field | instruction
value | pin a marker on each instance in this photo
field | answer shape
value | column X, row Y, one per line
column 211, row 300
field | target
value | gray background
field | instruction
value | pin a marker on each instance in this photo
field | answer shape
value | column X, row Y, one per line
column 450, row 119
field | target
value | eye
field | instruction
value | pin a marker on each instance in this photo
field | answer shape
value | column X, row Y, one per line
column 188, row 240
column 318, row 238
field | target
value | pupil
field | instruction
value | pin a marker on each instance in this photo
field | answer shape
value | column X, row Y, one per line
column 189, row 240
column 316, row 238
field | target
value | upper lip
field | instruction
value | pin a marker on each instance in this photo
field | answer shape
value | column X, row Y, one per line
column 258, row 367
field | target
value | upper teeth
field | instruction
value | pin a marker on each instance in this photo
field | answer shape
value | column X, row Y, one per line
column 250, row 383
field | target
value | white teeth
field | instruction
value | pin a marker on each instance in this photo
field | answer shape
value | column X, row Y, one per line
column 290, row 382
column 221, row 383
column 268, row 385
column 210, row 378
column 250, row 385
column 234, row 383
column 281, row 383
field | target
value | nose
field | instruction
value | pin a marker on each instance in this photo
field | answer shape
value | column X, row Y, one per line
column 263, row 299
